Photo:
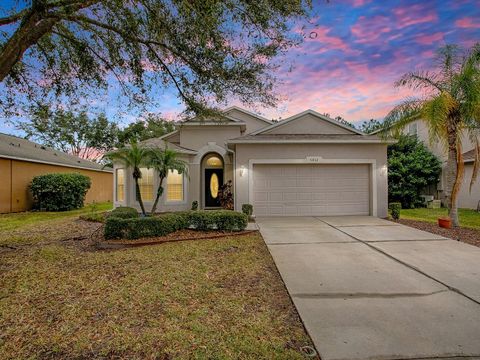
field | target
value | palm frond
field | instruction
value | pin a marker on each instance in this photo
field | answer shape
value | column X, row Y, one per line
column 435, row 113
column 400, row 116
column 420, row 80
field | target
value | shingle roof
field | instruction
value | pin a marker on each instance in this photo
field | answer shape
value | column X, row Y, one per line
column 13, row 147
column 469, row 156
column 332, row 138
column 158, row 142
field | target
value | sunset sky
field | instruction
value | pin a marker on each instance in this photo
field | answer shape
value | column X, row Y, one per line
column 353, row 52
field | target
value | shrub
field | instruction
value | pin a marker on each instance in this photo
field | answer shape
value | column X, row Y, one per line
column 135, row 228
column 124, row 212
column 138, row 227
column 217, row 219
column 395, row 208
column 411, row 169
column 225, row 195
column 247, row 209
column 194, row 205
column 59, row 192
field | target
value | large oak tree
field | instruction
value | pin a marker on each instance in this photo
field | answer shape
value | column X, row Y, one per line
column 209, row 50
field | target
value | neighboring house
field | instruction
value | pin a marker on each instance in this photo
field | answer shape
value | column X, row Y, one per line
column 466, row 199
column 307, row 164
column 21, row 160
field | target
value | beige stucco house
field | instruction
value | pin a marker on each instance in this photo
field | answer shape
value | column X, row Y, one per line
column 307, row 164
column 466, row 198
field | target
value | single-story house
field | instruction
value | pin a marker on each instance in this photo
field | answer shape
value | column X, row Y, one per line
column 466, row 198
column 307, row 164
column 21, row 160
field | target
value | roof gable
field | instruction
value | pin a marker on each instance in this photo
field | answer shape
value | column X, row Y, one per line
column 308, row 122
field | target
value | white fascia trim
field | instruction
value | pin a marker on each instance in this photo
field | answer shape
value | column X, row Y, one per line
column 168, row 135
column 53, row 163
column 311, row 141
column 311, row 112
column 248, row 113
column 219, row 123
column 371, row 162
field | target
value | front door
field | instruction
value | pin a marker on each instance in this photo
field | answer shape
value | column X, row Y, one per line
column 213, row 181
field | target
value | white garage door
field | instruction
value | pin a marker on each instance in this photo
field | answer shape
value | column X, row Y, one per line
column 304, row 189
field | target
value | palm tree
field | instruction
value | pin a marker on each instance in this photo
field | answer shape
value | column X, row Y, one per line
column 450, row 106
column 163, row 161
column 134, row 156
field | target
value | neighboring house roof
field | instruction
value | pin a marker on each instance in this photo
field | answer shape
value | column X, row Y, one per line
column 469, row 156
column 307, row 138
column 162, row 144
column 300, row 115
column 15, row 148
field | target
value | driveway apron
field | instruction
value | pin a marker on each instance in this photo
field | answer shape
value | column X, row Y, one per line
column 367, row 288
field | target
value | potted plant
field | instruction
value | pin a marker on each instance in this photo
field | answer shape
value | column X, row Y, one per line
column 445, row 222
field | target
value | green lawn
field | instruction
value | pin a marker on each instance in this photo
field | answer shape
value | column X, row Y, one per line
column 205, row 299
column 19, row 220
column 468, row 218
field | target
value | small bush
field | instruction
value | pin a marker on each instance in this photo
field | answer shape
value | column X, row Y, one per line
column 124, row 212
column 395, row 208
column 247, row 209
column 194, row 205
column 225, row 194
column 135, row 228
column 218, row 220
column 59, row 192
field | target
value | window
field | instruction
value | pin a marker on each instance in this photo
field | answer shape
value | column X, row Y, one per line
column 214, row 162
column 412, row 129
column 146, row 184
column 174, row 186
column 120, row 178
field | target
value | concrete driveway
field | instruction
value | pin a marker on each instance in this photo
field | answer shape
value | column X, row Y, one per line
column 367, row 288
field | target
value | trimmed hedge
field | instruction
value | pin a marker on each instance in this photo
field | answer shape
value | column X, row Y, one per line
column 138, row 227
column 135, row 228
column 59, row 192
column 124, row 212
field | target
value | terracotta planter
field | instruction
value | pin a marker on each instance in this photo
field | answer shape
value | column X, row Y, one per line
column 445, row 222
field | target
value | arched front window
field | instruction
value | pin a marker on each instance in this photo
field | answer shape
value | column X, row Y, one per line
column 214, row 162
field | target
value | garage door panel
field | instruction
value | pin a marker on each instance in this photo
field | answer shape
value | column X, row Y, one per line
column 304, row 189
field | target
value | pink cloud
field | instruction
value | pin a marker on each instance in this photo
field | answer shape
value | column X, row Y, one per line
column 468, row 23
column 429, row 39
column 368, row 30
column 415, row 14
column 358, row 3
column 322, row 35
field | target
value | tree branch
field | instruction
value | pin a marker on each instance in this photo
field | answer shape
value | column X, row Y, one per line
column 14, row 18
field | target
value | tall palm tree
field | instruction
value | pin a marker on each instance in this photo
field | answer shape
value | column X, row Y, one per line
column 450, row 106
column 133, row 156
column 163, row 161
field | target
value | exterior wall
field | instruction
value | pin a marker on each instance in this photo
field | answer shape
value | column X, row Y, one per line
column 377, row 152
column 195, row 137
column 252, row 123
column 308, row 124
column 14, row 193
column 467, row 199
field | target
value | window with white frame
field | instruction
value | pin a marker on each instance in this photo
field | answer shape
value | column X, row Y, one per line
column 174, row 186
column 146, row 184
column 120, row 181
column 413, row 129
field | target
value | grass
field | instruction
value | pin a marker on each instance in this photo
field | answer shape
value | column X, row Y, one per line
column 19, row 220
column 208, row 299
column 468, row 218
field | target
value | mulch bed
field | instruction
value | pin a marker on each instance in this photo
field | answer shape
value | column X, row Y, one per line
column 180, row 235
column 466, row 235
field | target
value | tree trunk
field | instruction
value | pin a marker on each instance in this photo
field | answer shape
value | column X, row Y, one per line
column 159, row 194
column 33, row 27
column 451, row 175
column 139, row 197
